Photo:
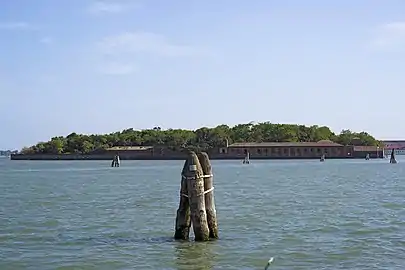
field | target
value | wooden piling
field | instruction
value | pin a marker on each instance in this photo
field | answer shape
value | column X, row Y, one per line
column 192, row 202
column 392, row 159
column 116, row 161
column 246, row 160
column 209, row 195
column 195, row 185
column 183, row 219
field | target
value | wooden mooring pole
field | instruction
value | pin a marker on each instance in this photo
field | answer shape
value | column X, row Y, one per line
column 183, row 219
column 392, row 159
column 209, row 194
column 116, row 161
column 195, row 206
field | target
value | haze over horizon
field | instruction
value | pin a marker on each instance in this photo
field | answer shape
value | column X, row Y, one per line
column 90, row 66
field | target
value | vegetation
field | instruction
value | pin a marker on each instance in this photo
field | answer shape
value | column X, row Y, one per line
column 202, row 138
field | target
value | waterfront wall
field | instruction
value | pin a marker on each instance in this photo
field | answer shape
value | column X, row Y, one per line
column 60, row 157
column 179, row 156
column 236, row 153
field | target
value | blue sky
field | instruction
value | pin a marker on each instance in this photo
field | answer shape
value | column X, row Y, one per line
column 101, row 66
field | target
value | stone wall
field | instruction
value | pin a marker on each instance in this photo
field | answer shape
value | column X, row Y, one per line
column 167, row 154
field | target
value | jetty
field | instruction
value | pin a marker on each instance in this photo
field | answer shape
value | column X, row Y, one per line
column 197, row 206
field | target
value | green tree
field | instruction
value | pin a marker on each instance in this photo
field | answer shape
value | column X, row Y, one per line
column 56, row 145
column 202, row 138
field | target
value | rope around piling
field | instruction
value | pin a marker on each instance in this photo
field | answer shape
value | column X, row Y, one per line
column 203, row 193
column 196, row 177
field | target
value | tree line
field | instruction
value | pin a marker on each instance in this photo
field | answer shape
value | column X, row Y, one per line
column 202, row 138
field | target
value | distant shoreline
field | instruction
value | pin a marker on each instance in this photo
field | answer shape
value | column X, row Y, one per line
column 236, row 151
column 71, row 157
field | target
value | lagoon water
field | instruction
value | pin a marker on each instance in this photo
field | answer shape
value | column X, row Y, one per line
column 340, row 214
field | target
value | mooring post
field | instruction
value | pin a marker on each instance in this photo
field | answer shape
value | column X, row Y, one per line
column 392, row 159
column 195, row 185
column 117, row 160
column 209, row 195
column 183, row 219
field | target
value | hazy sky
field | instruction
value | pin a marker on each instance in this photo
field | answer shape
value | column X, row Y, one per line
column 102, row 66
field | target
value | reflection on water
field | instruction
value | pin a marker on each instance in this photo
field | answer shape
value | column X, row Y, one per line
column 195, row 255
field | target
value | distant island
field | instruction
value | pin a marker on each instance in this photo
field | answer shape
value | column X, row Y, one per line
column 7, row 152
column 202, row 139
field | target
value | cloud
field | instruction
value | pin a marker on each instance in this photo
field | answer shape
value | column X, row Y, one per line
column 100, row 7
column 117, row 69
column 144, row 42
column 17, row 26
column 390, row 36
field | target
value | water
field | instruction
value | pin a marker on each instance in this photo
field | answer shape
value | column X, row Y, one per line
column 340, row 214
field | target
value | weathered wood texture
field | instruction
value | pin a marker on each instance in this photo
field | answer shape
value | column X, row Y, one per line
column 195, row 187
column 183, row 219
column 209, row 196
column 197, row 205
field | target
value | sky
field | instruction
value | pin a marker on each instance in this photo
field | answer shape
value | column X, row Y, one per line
column 90, row 66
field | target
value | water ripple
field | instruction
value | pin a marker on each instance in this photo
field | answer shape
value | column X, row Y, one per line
column 85, row 215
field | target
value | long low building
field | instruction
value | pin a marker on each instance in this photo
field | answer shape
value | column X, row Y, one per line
column 300, row 150
column 262, row 150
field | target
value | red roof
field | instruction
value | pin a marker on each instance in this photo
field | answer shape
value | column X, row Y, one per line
column 286, row 144
column 396, row 145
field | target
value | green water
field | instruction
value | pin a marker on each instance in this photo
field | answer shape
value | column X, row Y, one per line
column 340, row 214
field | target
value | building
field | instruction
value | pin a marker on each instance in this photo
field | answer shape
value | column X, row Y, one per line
column 372, row 151
column 298, row 150
column 262, row 150
column 128, row 151
column 288, row 150
column 398, row 145
column 145, row 152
